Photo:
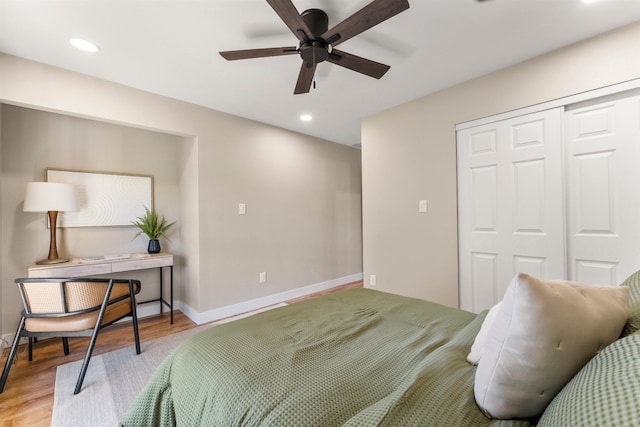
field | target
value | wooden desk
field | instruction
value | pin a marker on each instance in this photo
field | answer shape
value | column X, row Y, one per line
column 83, row 268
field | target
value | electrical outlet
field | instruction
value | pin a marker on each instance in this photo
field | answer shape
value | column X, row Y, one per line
column 263, row 276
column 372, row 280
column 242, row 209
column 422, row 206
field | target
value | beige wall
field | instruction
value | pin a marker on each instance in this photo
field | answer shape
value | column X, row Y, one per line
column 303, row 194
column 33, row 140
column 409, row 153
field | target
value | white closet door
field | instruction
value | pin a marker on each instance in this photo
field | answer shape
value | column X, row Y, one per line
column 510, row 205
column 603, row 173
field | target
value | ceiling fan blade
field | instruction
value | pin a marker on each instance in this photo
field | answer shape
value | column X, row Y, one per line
column 356, row 63
column 371, row 15
column 290, row 16
column 232, row 55
column 305, row 78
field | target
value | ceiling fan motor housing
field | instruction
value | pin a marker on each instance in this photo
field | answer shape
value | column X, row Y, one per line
column 314, row 50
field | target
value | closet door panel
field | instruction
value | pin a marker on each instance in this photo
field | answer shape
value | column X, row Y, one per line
column 596, row 272
column 485, row 286
column 484, row 198
column 479, row 188
column 602, row 140
column 594, row 193
column 528, row 196
column 534, row 266
column 535, row 193
column 510, row 199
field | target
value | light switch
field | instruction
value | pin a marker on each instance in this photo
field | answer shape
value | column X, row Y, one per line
column 242, row 209
column 422, row 206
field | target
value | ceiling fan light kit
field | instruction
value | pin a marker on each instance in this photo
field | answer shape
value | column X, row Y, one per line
column 317, row 42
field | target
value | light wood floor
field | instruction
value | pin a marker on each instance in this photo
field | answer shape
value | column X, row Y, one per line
column 28, row 395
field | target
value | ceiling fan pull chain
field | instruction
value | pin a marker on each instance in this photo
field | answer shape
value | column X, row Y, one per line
column 314, row 62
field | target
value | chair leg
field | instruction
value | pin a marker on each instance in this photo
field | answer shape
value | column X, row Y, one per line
column 87, row 358
column 65, row 345
column 31, row 341
column 12, row 354
column 136, row 334
column 134, row 315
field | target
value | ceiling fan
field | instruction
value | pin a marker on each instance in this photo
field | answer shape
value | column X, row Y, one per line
column 317, row 42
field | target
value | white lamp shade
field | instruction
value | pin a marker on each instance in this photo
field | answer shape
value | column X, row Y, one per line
column 50, row 196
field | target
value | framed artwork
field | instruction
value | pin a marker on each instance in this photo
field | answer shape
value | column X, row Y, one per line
column 105, row 199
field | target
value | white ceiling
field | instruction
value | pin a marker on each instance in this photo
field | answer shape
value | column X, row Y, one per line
column 170, row 48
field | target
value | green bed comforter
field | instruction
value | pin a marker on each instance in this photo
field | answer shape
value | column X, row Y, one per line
column 356, row 357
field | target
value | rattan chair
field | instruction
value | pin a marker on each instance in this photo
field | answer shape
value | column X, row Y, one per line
column 70, row 308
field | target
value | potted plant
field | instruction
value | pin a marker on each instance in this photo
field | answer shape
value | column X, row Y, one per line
column 154, row 227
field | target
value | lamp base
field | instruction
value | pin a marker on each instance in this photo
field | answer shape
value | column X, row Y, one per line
column 51, row 261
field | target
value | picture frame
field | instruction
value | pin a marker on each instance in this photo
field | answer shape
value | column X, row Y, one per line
column 106, row 199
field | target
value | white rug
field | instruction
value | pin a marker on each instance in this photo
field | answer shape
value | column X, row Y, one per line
column 113, row 380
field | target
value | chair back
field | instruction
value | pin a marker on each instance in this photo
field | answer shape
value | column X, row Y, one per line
column 67, row 296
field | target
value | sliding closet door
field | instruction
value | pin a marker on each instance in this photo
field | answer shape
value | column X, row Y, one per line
column 603, row 172
column 510, row 205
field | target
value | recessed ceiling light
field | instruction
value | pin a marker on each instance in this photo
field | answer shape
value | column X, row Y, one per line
column 84, row 45
column 589, row 1
column 306, row 117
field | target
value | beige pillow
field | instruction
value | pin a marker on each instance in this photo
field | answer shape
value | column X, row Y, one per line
column 544, row 332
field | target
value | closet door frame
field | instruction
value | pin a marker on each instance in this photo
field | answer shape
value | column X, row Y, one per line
column 560, row 102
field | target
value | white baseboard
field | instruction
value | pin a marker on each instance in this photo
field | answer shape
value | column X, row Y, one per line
column 152, row 308
column 232, row 310
column 7, row 339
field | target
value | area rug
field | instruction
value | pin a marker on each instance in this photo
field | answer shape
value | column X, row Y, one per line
column 113, row 380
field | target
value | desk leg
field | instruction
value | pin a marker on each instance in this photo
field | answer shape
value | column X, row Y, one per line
column 161, row 300
column 171, row 306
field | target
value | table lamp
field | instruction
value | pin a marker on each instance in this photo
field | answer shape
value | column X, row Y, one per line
column 51, row 197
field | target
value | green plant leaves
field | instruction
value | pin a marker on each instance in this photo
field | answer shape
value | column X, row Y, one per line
column 151, row 225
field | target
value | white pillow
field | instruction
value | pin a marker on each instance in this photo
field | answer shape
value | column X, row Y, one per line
column 478, row 344
column 543, row 334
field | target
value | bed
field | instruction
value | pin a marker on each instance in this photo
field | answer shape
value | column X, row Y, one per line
column 355, row 357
